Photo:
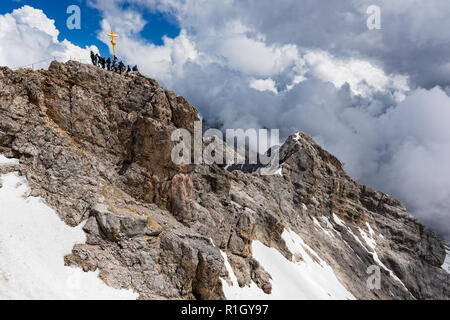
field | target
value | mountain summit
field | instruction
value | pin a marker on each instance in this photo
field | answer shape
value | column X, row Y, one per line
column 96, row 147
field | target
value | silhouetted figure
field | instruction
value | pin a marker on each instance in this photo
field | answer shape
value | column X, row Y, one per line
column 97, row 59
column 114, row 64
column 135, row 69
column 93, row 58
column 121, row 66
column 108, row 63
column 102, row 62
column 128, row 69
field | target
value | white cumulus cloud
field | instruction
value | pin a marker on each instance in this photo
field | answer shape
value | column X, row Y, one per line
column 263, row 85
column 28, row 36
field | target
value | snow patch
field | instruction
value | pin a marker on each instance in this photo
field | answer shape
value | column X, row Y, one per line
column 33, row 243
column 234, row 292
column 368, row 239
column 6, row 161
column 371, row 243
column 317, row 223
column 307, row 277
column 338, row 221
column 327, row 221
column 371, row 232
column 279, row 172
column 392, row 274
column 446, row 265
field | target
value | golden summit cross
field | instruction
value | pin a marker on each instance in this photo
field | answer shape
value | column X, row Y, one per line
column 113, row 37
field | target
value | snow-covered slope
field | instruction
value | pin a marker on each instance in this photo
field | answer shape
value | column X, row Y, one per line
column 6, row 161
column 446, row 265
column 33, row 242
column 307, row 277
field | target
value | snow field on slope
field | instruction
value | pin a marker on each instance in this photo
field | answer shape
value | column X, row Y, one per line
column 306, row 279
column 33, row 243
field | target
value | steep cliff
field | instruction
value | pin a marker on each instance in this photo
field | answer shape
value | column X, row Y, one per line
column 96, row 146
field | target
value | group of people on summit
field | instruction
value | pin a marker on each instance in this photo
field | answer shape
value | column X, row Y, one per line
column 111, row 65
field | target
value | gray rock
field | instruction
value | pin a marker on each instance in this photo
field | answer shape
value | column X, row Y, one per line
column 96, row 147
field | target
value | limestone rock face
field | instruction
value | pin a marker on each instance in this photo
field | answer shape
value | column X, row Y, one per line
column 97, row 147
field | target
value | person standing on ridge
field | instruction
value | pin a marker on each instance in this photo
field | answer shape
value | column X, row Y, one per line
column 114, row 64
column 121, row 66
column 93, row 58
column 108, row 63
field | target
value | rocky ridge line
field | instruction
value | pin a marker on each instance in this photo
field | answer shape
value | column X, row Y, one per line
column 96, row 146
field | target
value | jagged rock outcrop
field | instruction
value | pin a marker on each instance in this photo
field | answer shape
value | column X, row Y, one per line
column 97, row 147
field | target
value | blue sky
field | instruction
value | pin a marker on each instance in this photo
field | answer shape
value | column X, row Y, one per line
column 158, row 24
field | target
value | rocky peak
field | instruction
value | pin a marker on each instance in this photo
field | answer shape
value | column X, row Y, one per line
column 97, row 147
